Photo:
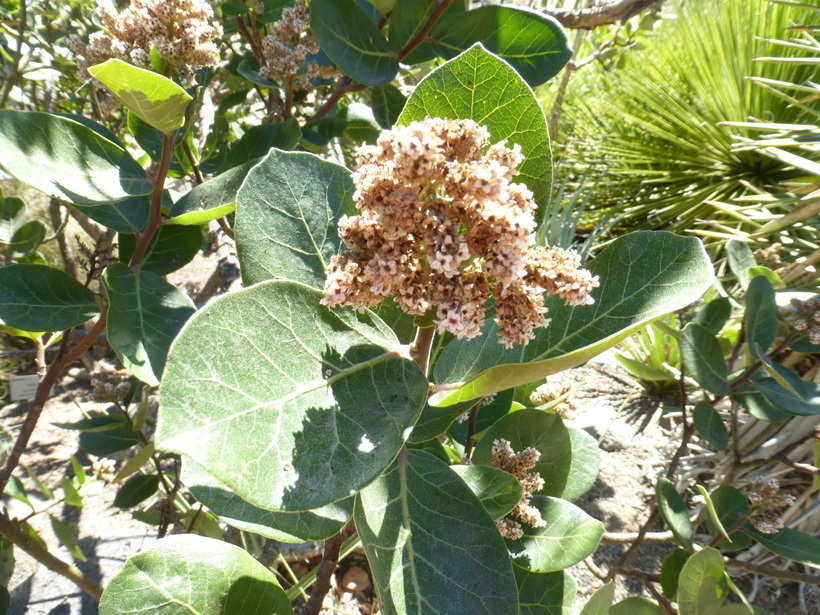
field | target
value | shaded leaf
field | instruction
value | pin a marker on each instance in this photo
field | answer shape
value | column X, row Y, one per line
column 320, row 407
column 702, row 584
column 258, row 141
column 294, row 527
column 545, row 593
column 789, row 543
column 153, row 98
column 67, row 160
column 194, row 574
column 65, row 535
column 498, row 491
column 136, row 490
column 145, row 315
column 102, row 443
column 714, row 315
column 352, row 41
column 41, row 298
column 601, row 601
column 286, row 217
column 171, row 248
column 740, row 258
column 413, row 521
column 477, row 85
column 761, row 316
column 670, row 571
column 703, row 358
column 568, row 537
column 387, row 101
column 637, row 605
column 758, row 405
column 127, row 216
column 643, row 275
column 27, row 239
column 709, row 425
column 569, row 457
column 674, row 512
column 213, row 199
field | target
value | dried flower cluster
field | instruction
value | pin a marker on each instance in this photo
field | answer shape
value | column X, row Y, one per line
column 181, row 32
column 109, row 387
column 770, row 257
column 807, row 318
column 548, row 392
column 443, row 228
column 519, row 465
column 286, row 48
column 767, row 504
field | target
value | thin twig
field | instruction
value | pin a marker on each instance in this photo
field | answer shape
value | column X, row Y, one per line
column 468, row 443
column 155, row 217
column 330, row 559
column 785, row 575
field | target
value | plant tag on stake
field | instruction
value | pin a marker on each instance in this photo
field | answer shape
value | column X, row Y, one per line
column 24, row 386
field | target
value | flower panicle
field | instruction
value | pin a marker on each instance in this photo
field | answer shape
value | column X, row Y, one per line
column 519, row 465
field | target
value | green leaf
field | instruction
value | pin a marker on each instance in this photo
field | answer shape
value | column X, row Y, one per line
column 805, row 404
column 761, row 316
column 70, row 493
column 126, row 216
column 431, row 545
column 27, row 239
column 534, row 44
column 5, row 600
column 636, row 605
column 12, row 216
column 15, row 489
column 103, row 422
column 789, row 543
column 714, row 519
column 670, row 571
column 320, row 407
column 153, row 98
column 569, row 457
column 710, row 425
column 643, row 275
column 352, row 41
column 211, row 200
column 387, row 102
column 65, row 535
column 545, row 593
column 102, row 443
column 643, row 370
column 286, row 217
column 6, row 563
column 740, row 258
column 601, row 601
column 67, row 160
column 40, row 298
column 498, row 491
column 702, row 584
column 136, row 490
column 361, row 126
column 674, row 512
column 171, row 248
column 568, row 537
column 406, row 21
column 434, row 421
column 767, row 273
column 145, row 314
column 758, row 405
column 136, row 462
column 293, row 527
column 258, row 141
column 477, row 85
column 703, row 358
column 714, row 315
column 192, row 574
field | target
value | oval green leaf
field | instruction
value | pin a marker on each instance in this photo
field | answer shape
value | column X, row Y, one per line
column 145, row 314
column 601, row 601
column 569, row 457
column 40, row 298
column 545, row 593
column 702, row 585
column 352, row 41
column 568, row 537
column 703, row 358
column 643, row 275
column 498, row 491
column 730, row 506
column 297, row 406
column 674, row 512
column 193, row 574
column 637, row 605
column 136, row 490
column 286, row 217
column 27, row 239
column 211, row 200
column 714, row 315
column 153, row 98
column 413, row 522
column 761, row 316
column 670, row 571
column 127, row 216
column 292, row 527
column 171, row 248
column 710, row 425
column 67, row 160
column 789, row 543
column 259, row 140
column 479, row 86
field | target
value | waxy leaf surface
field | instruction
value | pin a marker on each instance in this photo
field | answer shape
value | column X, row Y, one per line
column 291, row 527
column 67, row 160
column 498, row 491
column 674, row 512
column 643, row 275
column 545, row 593
column 761, row 316
column 211, row 200
column 192, row 574
column 568, row 537
column 703, row 358
column 145, row 314
column 171, row 248
column 290, row 405
column 286, row 217
column 40, row 298
column 428, row 540
column 153, row 98
column 789, row 543
column 710, row 425
column 702, row 584
column 479, row 86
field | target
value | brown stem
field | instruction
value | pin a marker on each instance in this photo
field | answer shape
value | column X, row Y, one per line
column 420, row 348
column 223, row 224
column 734, row 528
column 155, row 217
column 774, row 573
column 468, row 443
column 84, row 344
column 18, row 55
column 72, row 573
column 190, row 156
column 425, row 30
column 601, row 14
column 344, row 86
column 40, row 359
column 330, row 559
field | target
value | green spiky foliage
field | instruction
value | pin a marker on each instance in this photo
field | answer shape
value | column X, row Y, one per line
column 657, row 127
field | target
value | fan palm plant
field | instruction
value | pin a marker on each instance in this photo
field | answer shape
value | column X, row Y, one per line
column 658, row 128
